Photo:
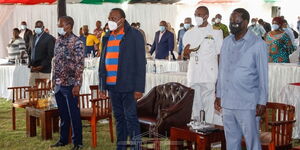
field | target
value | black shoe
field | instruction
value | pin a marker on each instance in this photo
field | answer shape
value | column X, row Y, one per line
column 58, row 144
column 77, row 147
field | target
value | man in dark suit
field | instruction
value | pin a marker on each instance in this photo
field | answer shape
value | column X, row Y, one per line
column 163, row 42
column 122, row 72
column 26, row 34
column 41, row 53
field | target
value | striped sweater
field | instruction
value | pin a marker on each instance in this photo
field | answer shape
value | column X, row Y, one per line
column 112, row 56
column 15, row 48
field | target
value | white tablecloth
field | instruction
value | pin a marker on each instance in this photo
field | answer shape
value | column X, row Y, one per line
column 154, row 79
column 12, row 75
column 166, row 66
column 290, row 94
column 279, row 76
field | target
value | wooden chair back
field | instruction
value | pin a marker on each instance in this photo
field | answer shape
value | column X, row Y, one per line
column 102, row 106
column 279, row 119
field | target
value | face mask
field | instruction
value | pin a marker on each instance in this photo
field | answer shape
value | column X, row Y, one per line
column 213, row 23
column 253, row 23
column 113, row 25
column 23, row 27
column 162, row 28
column 187, row 26
column 218, row 20
column 38, row 30
column 275, row 26
column 199, row 21
column 235, row 28
column 61, row 31
column 106, row 30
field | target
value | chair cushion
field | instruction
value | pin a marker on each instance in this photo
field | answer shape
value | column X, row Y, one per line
column 87, row 112
column 147, row 120
column 265, row 138
column 21, row 103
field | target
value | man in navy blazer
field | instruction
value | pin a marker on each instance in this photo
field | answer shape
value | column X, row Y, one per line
column 163, row 42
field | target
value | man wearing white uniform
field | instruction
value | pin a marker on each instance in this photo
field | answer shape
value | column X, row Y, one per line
column 202, row 44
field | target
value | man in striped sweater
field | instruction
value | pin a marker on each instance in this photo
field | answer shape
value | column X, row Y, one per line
column 122, row 72
column 16, row 46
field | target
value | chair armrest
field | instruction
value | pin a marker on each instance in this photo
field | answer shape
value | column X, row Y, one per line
column 19, row 87
column 280, row 123
column 145, row 104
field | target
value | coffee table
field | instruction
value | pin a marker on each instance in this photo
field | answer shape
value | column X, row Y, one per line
column 203, row 140
column 48, row 118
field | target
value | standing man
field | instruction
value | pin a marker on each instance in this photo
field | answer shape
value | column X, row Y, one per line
column 41, row 53
column 203, row 65
column 221, row 26
column 257, row 29
column 26, row 34
column 163, row 42
column 98, row 31
column 266, row 25
column 181, row 32
column 67, row 78
column 91, row 42
column 122, row 72
column 242, row 88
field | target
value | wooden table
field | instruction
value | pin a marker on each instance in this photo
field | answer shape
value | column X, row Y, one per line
column 48, row 118
column 203, row 140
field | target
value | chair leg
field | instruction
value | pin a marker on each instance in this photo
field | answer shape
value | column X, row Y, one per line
column 94, row 132
column 13, row 118
column 111, row 130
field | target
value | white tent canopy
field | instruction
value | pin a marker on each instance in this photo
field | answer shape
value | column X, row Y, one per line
column 149, row 15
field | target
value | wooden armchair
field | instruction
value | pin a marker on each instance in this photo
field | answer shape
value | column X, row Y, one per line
column 95, row 109
column 20, row 98
column 276, row 127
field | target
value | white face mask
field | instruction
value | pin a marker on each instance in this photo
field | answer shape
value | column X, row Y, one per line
column 38, row 30
column 275, row 26
column 23, row 27
column 61, row 31
column 112, row 25
column 199, row 21
column 253, row 23
column 218, row 20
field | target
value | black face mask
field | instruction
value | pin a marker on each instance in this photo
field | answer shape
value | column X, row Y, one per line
column 235, row 28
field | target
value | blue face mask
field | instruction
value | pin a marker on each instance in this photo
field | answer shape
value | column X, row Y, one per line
column 38, row 30
column 275, row 26
column 162, row 28
column 187, row 26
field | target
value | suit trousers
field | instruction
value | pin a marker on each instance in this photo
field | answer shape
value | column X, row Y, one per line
column 69, row 115
column 239, row 123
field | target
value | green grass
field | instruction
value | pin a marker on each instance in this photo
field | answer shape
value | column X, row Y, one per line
column 17, row 140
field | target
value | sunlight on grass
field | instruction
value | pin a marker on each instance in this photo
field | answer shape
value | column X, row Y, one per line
column 17, row 140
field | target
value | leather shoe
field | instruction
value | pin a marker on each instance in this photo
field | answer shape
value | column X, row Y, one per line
column 58, row 144
column 77, row 147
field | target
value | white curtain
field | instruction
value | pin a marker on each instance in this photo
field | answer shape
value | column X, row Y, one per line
column 149, row 15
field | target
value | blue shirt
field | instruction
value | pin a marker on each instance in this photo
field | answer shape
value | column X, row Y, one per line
column 243, row 72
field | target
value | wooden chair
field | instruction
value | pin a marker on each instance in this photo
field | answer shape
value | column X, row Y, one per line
column 95, row 109
column 277, row 126
column 20, row 97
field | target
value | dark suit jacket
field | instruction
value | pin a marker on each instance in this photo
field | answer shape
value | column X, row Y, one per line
column 165, row 45
column 44, row 51
column 27, row 37
column 131, row 74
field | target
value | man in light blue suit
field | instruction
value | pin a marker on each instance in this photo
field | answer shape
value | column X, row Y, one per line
column 242, row 87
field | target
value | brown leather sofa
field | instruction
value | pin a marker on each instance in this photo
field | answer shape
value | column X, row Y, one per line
column 165, row 106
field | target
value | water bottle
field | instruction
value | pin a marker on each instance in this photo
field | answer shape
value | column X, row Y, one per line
column 154, row 67
column 202, row 116
column 170, row 56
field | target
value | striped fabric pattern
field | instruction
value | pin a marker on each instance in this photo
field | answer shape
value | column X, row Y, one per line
column 112, row 57
column 15, row 48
